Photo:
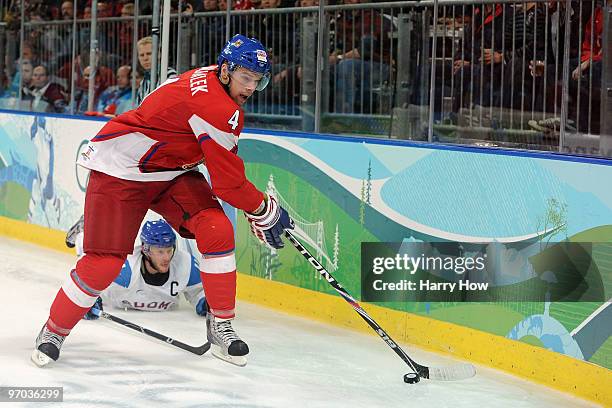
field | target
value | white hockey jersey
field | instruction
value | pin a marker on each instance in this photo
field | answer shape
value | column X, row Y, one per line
column 129, row 290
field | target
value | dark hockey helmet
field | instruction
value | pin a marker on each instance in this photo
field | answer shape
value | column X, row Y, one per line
column 157, row 233
column 247, row 53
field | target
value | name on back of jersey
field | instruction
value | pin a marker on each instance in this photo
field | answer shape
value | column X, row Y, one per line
column 197, row 81
column 149, row 306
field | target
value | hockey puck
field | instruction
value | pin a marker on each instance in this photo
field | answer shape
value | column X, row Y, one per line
column 411, row 378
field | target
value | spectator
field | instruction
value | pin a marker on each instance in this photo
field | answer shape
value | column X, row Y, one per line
column 145, row 53
column 585, row 84
column 38, row 12
column 127, row 10
column 29, row 56
column 65, row 71
column 209, row 5
column 524, row 41
column 286, row 89
column 214, row 33
column 118, row 8
column 146, row 7
column 81, row 91
column 186, row 8
column 126, row 33
column 105, row 68
column 242, row 5
column 27, row 70
column 106, row 33
column 26, row 73
column 276, row 32
column 117, row 99
column 550, row 71
column 474, row 67
column 360, row 35
column 58, row 38
column 10, row 97
column 29, row 52
column 585, row 81
column 104, row 78
column 237, row 23
column 45, row 38
column 67, row 10
column 592, row 44
column 105, row 9
column 46, row 96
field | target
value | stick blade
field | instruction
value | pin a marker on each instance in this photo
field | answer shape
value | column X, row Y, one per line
column 201, row 350
column 452, row 373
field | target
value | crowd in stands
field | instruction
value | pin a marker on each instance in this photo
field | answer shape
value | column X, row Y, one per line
column 507, row 55
column 512, row 57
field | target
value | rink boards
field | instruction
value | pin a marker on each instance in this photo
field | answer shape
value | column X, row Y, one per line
column 344, row 191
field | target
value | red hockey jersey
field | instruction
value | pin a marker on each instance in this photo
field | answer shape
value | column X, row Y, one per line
column 186, row 121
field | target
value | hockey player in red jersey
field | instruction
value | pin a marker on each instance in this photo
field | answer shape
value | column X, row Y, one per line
column 146, row 158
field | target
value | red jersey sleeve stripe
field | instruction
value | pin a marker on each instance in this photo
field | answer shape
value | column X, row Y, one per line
column 108, row 136
column 200, row 126
column 203, row 137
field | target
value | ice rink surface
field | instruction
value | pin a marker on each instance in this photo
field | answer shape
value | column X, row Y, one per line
column 294, row 362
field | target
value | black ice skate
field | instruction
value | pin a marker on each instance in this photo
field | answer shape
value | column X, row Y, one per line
column 74, row 231
column 226, row 345
column 48, row 345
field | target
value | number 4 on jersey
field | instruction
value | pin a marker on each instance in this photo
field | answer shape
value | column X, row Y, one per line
column 233, row 121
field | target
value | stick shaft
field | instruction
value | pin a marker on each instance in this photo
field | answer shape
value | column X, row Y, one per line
column 417, row 368
column 199, row 350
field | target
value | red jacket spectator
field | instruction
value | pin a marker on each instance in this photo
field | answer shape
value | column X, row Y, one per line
column 364, row 31
column 593, row 49
column 243, row 5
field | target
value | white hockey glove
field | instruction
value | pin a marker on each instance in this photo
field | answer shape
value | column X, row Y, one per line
column 269, row 223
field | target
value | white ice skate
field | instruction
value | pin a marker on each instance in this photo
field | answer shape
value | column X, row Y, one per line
column 48, row 345
column 226, row 345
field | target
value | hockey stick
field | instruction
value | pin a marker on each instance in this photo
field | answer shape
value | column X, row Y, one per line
column 449, row 373
column 199, row 350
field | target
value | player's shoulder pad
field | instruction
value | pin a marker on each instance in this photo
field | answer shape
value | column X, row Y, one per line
column 210, row 102
column 194, row 275
column 182, row 266
column 125, row 275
